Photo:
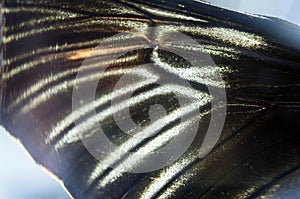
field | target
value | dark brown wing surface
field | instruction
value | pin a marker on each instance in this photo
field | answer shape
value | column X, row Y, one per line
column 258, row 154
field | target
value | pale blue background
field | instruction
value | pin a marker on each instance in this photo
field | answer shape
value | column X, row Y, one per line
column 284, row 9
column 21, row 178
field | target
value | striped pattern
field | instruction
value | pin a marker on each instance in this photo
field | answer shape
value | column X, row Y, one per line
column 45, row 42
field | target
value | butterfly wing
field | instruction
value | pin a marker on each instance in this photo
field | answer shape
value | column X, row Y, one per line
column 45, row 43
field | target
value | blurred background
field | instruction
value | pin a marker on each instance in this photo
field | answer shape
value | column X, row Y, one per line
column 287, row 9
column 21, row 178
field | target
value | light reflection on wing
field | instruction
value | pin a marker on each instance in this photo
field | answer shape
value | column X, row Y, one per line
column 45, row 42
